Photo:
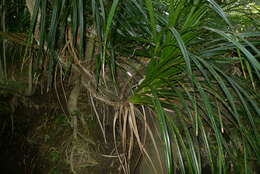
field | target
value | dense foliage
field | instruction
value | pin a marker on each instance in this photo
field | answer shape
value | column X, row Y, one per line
column 193, row 63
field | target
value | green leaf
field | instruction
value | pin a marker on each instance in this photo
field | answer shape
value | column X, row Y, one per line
column 165, row 132
column 109, row 25
column 183, row 49
column 254, row 63
column 153, row 23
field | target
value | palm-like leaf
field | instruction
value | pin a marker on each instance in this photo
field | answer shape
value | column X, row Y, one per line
column 204, row 98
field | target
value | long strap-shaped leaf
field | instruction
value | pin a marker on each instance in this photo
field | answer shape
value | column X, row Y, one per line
column 183, row 49
column 254, row 63
column 165, row 132
column 149, row 6
column 81, row 26
column 220, row 11
column 109, row 23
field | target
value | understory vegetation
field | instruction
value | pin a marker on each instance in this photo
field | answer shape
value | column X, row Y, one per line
column 132, row 86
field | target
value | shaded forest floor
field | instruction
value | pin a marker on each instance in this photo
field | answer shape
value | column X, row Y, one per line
column 36, row 137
